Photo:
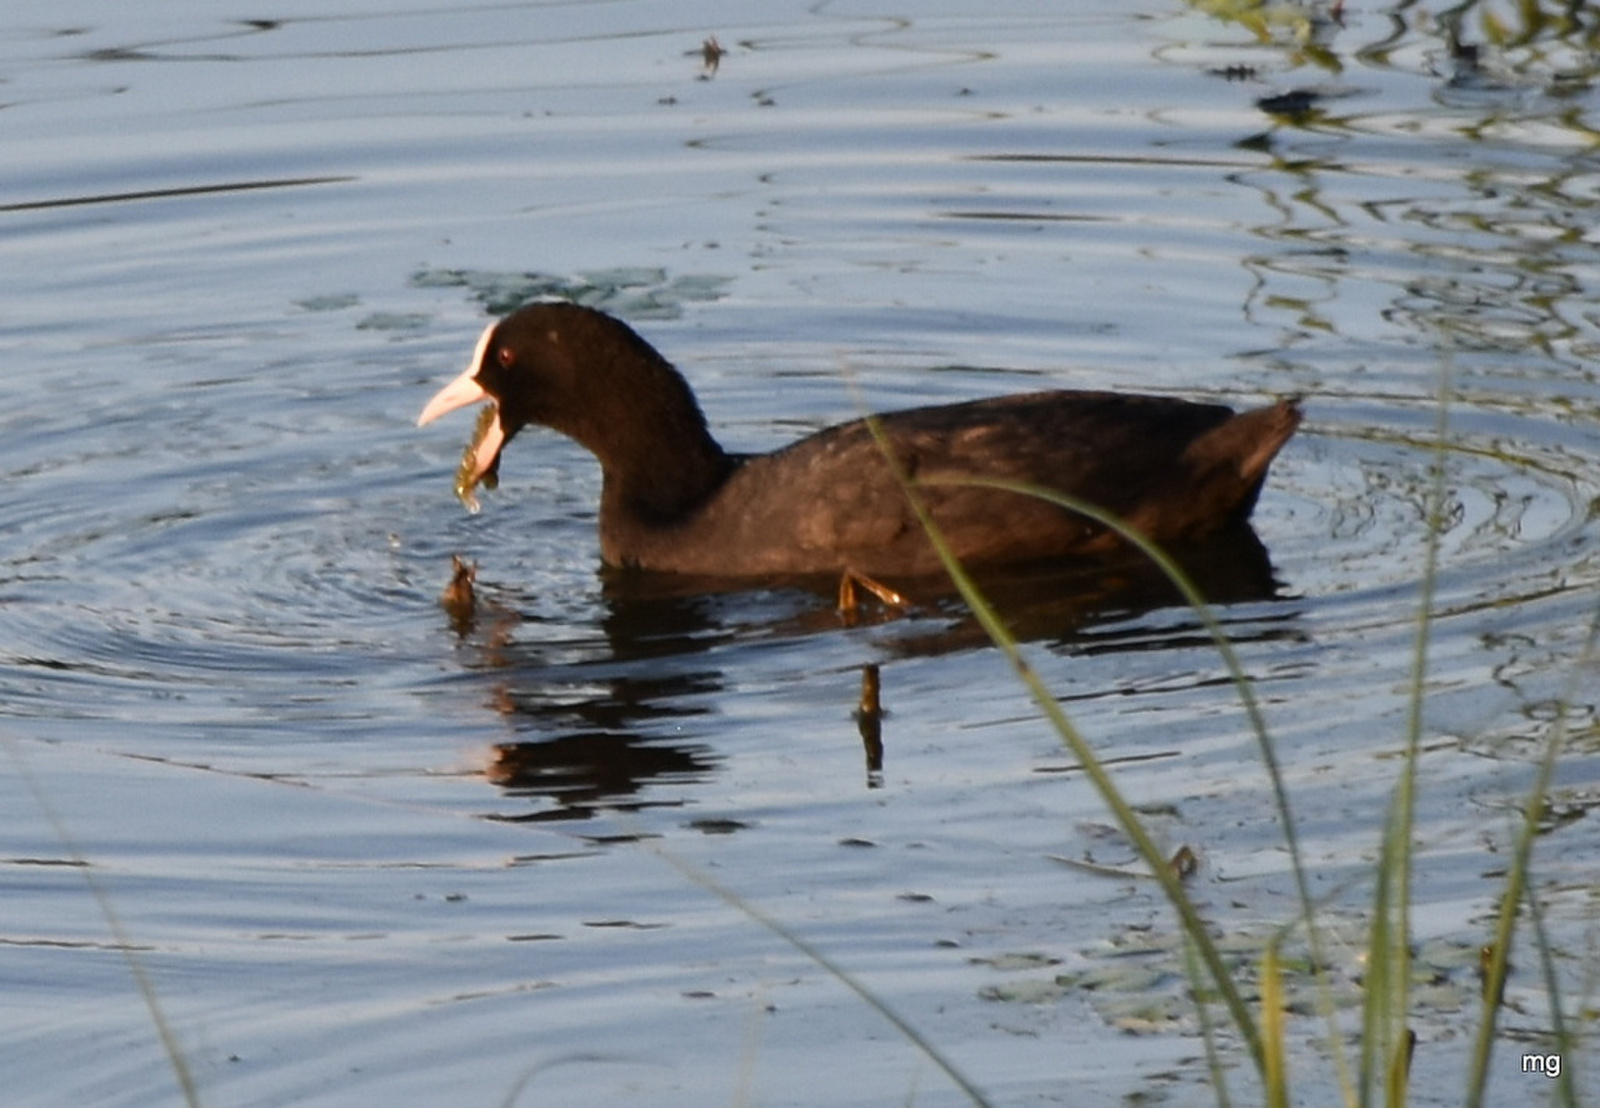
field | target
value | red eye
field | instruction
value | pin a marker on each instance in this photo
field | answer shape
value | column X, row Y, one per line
column 505, row 357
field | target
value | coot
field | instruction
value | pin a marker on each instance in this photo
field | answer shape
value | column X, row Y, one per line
column 673, row 500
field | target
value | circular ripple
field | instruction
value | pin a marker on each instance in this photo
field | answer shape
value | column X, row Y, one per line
column 1353, row 505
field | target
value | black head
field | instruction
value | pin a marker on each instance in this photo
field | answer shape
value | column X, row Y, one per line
column 585, row 374
column 568, row 367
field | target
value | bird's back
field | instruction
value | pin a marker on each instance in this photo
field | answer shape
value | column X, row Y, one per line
column 831, row 501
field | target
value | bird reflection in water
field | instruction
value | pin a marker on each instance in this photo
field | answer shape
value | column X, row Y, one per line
column 869, row 722
column 609, row 716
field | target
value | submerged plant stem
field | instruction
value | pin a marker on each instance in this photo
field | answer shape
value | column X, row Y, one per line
column 1517, row 888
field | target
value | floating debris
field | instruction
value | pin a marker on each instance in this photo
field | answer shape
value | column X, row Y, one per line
column 1294, row 103
column 333, row 302
column 394, row 321
column 713, row 826
column 711, row 53
column 633, row 292
column 1298, row 104
column 1235, row 72
column 459, row 599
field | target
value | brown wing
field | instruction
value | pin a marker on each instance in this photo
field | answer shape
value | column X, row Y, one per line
column 841, row 504
column 831, row 502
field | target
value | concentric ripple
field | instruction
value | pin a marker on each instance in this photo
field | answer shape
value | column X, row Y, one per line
column 373, row 850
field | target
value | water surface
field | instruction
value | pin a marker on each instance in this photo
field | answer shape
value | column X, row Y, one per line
column 368, row 853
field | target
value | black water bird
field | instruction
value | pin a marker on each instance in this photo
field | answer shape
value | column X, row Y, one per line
column 674, row 500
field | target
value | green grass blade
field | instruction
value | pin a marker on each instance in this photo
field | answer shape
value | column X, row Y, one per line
column 1516, row 890
column 1245, row 688
column 1189, row 917
column 838, row 972
column 1565, row 1043
column 1276, row 1077
column 1208, row 1030
column 1386, row 1037
column 136, row 969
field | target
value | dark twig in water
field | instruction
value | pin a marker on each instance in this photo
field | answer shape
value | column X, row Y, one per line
column 459, row 599
column 869, row 721
column 711, row 52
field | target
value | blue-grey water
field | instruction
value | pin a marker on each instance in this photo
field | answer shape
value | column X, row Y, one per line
column 365, row 851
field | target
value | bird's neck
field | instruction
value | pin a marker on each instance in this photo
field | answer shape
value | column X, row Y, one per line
column 662, row 468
